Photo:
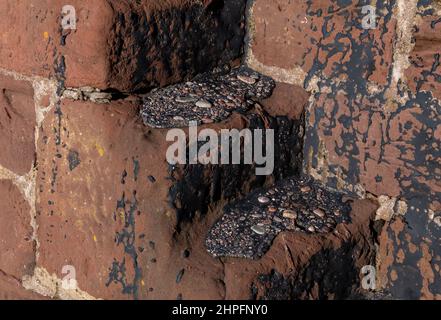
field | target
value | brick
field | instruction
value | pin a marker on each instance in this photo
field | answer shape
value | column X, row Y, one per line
column 124, row 45
column 90, row 177
column 17, row 124
column 286, row 34
column 424, row 72
column 17, row 254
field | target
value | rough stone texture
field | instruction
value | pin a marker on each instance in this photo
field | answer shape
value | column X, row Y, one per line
column 94, row 196
column 124, row 45
column 197, row 187
column 248, row 227
column 17, row 249
column 424, row 74
column 109, row 204
column 209, row 97
column 11, row 289
column 17, row 125
column 313, row 267
column 373, row 123
column 287, row 100
column 134, row 227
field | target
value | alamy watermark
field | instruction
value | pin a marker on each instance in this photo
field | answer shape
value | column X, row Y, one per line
column 205, row 148
column 69, row 281
column 368, row 281
column 369, row 21
column 69, row 18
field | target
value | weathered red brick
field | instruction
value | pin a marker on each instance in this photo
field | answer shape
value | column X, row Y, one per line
column 104, row 206
column 424, row 72
column 17, row 248
column 17, row 125
column 286, row 34
column 123, row 45
column 287, row 100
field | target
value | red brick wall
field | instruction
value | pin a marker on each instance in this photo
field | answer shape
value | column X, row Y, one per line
column 81, row 181
column 373, row 120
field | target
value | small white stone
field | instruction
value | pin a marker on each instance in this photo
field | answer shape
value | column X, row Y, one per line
column 203, row 104
column 263, row 200
column 246, row 79
column 319, row 213
column 258, row 229
column 178, row 118
column 289, row 214
column 186, row 99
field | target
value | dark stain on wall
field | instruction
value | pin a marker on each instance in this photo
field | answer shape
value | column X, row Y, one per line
column 358, row 135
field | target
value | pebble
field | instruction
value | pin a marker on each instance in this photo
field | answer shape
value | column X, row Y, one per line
column 258, row 229
column 100, row 95
column 246, row 79
column 319, row 213
column 186, row 99
column 263, row 200
column 272, row 209
column 311, row 229
column 305, row 189
column 203, row 104
column 289, row 214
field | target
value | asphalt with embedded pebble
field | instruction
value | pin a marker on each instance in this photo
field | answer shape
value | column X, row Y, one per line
column 210, row 97
column 249, row 226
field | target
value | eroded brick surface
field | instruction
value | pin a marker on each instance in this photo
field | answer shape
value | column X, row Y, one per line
column 94, row 195
column 359, row 136
column 125, row 45
column 109, row 205
column 17, row 248
column 17, row 125
column 321, row 36
column 424, row 74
